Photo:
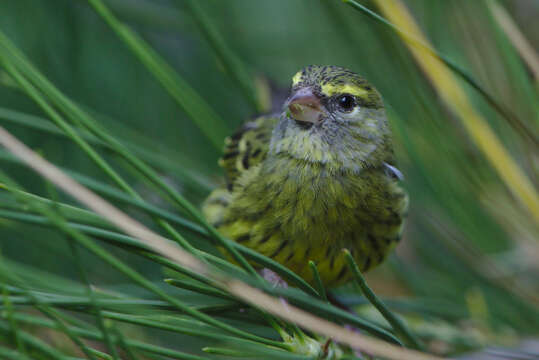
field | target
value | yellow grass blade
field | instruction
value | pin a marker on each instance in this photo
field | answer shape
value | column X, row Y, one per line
column 454, row 96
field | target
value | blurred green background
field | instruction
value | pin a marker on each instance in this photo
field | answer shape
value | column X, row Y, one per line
column 466, row 272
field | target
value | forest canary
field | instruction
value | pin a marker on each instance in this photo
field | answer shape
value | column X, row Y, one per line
column 315, row 179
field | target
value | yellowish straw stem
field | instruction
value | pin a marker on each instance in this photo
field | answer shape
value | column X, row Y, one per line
column 454, row 96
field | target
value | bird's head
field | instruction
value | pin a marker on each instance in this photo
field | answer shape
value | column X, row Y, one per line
column 334, row 117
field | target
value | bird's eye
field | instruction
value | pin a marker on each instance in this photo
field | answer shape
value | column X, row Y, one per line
column 346, row 102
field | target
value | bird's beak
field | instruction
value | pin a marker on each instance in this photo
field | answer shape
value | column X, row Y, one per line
column 304, row 106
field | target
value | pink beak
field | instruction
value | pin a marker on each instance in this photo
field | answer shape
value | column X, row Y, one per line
column 304, row 106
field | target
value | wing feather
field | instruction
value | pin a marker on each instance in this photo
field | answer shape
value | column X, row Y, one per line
column 247, row 147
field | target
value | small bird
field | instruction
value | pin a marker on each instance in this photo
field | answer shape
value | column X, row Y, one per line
column 316, row 179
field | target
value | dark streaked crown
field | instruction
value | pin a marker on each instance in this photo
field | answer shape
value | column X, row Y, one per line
column 330, row 81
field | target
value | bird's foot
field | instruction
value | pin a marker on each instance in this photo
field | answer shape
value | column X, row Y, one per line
column 272, row 277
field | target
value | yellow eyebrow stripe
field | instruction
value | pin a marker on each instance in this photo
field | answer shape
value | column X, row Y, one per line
column 331, row 89
column 297, row 78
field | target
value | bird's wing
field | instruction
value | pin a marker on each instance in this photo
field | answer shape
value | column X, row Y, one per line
column 247, row 147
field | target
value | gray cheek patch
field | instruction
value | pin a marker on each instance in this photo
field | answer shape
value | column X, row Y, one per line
column 393, row 172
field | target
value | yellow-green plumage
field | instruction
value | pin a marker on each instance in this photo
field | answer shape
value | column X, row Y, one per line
column 304, row 185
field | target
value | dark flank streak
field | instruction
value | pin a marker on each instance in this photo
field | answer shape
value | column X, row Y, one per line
column 230, row 155
column 367, row 264
column 341, row 273
column 279, row 249
column 289, row 257
column 245, row 161
column 307, row 253
column 264, row 239
column 375, row 248
column 374, row 242
column 243, row 238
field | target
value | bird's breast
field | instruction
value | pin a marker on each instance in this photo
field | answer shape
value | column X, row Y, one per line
column 294, row 212
column 308, row 199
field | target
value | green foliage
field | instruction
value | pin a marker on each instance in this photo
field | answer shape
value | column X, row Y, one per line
column 132, row 98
